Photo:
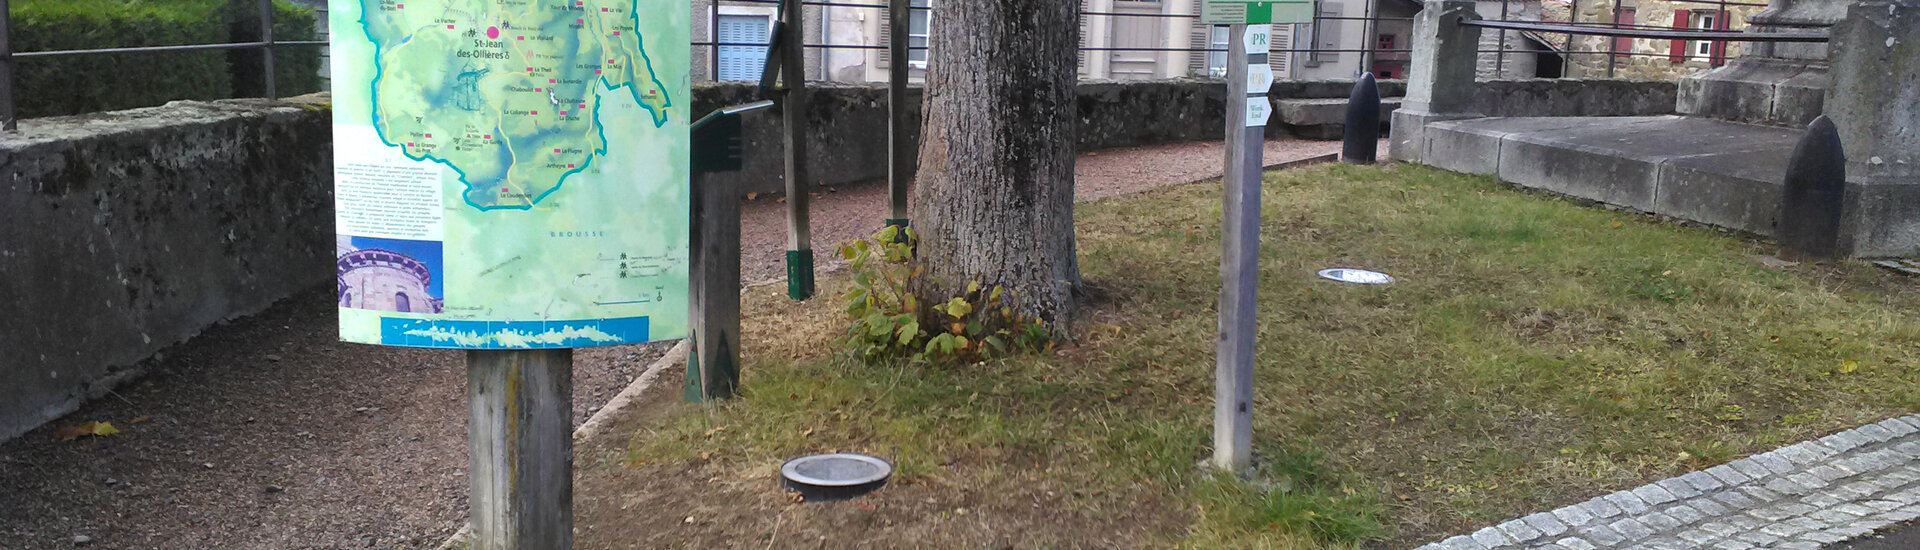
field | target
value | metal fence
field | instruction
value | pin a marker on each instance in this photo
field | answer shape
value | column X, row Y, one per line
column 1608, row 56
column 1370, row 22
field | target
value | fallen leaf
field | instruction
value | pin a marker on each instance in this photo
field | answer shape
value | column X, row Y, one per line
column 69, row 433
column 1615, row 224
column 139, row 419
column 1848, row 366
column 750, row 196
column 716, row 430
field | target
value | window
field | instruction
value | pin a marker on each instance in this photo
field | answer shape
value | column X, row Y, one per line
column 919, row 22
column 1385, row 42
column 749, row 32
column 401, row 303
column 1217, row 61
column 1704, row 20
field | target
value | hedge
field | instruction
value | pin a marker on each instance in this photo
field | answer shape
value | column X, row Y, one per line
column 80, row 84
column 90, row 83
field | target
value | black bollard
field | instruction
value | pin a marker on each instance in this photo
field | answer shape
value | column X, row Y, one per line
column 1363, row 122
column 1811, row 200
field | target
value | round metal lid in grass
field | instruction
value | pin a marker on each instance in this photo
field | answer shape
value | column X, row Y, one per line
column 1356, row 276
column 835, row 476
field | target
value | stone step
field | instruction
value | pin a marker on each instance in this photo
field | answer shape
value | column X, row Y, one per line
column 1709, row 171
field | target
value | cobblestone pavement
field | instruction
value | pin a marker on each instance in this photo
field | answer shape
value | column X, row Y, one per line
column 1803, row 496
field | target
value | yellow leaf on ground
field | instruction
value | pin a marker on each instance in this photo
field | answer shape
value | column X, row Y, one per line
column 1848, row 366
column 69, row 433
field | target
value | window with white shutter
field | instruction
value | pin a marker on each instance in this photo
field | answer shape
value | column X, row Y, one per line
column 748, row 56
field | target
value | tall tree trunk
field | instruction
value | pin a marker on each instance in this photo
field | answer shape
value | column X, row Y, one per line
column 993, row 201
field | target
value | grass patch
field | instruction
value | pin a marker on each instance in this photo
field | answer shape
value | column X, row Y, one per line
column 1537, row 352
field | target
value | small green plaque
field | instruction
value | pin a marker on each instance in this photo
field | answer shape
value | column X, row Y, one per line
column 1259, row 13
column 1256, row 12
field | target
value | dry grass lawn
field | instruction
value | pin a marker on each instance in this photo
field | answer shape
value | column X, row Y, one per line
column 1536, row 352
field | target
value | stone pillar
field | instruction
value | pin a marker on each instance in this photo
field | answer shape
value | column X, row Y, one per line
column 1875, row 61
column 1440, row 82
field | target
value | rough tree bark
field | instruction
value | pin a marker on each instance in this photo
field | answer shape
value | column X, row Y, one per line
column 993, row 201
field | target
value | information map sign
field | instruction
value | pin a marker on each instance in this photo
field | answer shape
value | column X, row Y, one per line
column 510, row 174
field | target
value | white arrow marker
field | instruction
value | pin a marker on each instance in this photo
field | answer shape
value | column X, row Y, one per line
column 1257, row 112
column 1259, row 39
column 1259, row 78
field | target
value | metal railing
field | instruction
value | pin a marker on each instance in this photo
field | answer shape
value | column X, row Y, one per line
column 1362, row 62
column 265, row 44
column 1499, row 54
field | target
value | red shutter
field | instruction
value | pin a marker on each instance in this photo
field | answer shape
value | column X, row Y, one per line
column 1719, row 47
column 1623, row 46
column 1677, row 50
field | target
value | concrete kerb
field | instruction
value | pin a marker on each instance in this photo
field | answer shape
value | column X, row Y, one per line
column 1809, row 494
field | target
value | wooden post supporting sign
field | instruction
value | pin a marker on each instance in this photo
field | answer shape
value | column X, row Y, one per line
column 520, row 448
column 713, row 369
column 1247, row 114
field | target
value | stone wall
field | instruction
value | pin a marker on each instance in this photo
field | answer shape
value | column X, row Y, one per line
column 1573, row 97
column 848, row 122
column 124, row 233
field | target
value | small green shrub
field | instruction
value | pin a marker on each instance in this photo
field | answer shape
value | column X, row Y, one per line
column 888, row 321
column 81, row 84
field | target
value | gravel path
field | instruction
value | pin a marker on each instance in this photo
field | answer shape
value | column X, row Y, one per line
column 270, row 433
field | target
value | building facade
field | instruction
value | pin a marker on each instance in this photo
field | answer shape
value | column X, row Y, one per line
column 1642, row 58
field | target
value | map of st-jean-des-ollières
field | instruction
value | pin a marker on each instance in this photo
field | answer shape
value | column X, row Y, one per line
column 511, row 173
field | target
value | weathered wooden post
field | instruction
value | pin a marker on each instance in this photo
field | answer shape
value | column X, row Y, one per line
column 793, row 101
column 713, row 368
column 8, row 122
column 1362, row 145
column 900, row 146
column 1813, row 195
column 520, row 448
column 266, row 48
column 1247, row 114
column 1249, row 78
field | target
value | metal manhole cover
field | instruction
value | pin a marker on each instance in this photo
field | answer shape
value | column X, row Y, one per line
column 835, row 476
column 1356, row 276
